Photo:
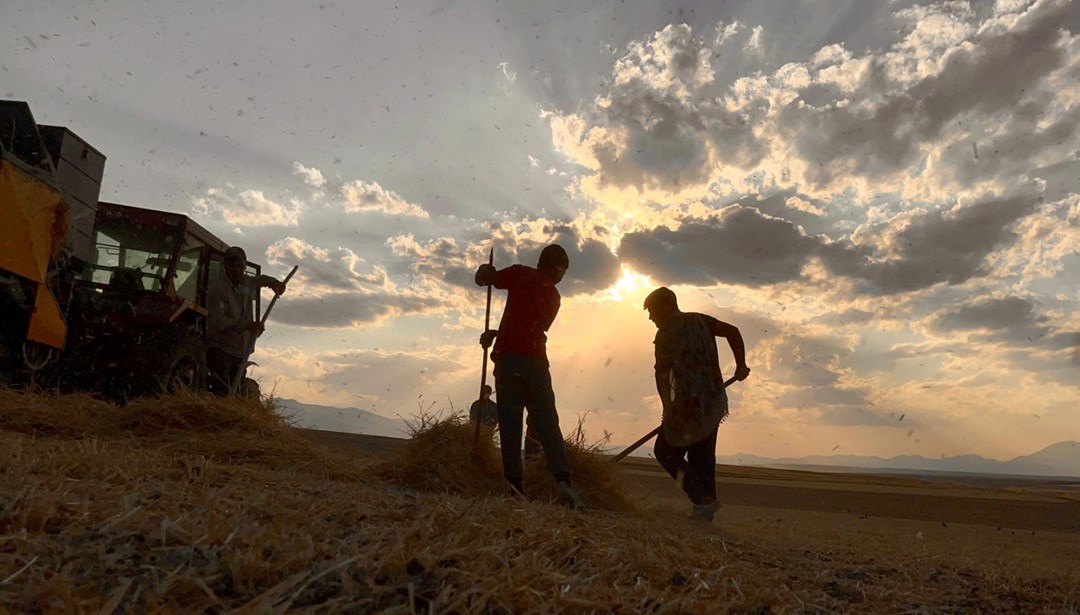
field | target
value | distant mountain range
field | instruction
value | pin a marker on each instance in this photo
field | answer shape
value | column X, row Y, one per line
column 347, row 420
column 1061, row 459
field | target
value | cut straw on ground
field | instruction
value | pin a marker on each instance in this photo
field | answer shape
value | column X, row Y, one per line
column 189, row 504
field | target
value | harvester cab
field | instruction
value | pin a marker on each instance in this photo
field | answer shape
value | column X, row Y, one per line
column 95, row 296
column 141, row 304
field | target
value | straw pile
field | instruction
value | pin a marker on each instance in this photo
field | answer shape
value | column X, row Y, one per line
column 224, row 430
column 441, row 457
column 137, row 515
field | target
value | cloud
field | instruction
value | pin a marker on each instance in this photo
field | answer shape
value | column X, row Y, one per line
column 739, row 246
column 312, row 177
column 654, row 131
column 724, row 32
column 323, row 269
column 910, row 251
column 904, row 104
column 1006, row 320
column 672, row 126
column 247, row 208
column 362, row 196
column 592, row 265
column 350, row 309
column 993, row 314
column 401, row 383
column 804, row 205
column 755, row 44
column 923, row 248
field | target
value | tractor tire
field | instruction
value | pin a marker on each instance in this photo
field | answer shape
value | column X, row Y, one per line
column 187, row 369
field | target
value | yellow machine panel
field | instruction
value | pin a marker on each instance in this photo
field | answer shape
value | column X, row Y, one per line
column 33, row 220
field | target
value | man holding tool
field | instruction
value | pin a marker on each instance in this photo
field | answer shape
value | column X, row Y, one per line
column 692, row 394
column 231, row 327
column 522, row 373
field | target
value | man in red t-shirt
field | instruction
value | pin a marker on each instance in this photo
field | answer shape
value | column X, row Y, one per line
column 522, row 374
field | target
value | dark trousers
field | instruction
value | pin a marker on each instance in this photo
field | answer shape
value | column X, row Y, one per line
column 223, row 368
column 525, row 383
column 697, row 462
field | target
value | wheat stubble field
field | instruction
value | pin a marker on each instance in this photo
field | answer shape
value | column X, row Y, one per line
column 189, row 504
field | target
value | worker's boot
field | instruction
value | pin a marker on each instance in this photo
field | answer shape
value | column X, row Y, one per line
column 706, row 512
column 569, row 496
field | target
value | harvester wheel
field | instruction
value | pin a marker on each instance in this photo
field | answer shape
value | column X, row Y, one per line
column 187, row 371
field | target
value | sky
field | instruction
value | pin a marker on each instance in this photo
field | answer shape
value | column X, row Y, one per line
column 884, row 197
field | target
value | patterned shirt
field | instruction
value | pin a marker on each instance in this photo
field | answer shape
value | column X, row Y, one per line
column 688, row 377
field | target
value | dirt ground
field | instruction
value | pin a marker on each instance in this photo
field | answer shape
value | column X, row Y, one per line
column 1004, row 526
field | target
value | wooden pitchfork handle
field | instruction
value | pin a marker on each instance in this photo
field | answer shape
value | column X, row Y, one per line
column 266, row 314
column 483, row 369
column 649, row 436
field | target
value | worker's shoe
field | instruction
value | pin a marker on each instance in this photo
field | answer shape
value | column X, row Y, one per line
column 516, row 490
column 705, row 512
column 569, row 496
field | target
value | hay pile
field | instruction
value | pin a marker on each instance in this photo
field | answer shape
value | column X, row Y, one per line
column 440, row 457
column 223, row 430
column 136, row 515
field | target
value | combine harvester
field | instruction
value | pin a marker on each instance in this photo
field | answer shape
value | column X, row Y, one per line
column 95, row 296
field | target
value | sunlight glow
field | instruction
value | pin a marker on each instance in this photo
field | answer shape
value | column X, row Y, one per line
column 631, row 285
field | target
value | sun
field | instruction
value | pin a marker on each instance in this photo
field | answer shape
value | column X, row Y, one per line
column 629, row 286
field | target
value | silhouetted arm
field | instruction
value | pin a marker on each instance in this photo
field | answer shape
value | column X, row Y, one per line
column 731, row 333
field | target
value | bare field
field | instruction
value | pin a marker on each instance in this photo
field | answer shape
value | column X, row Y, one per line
column 1016, row 527
column 213, row 506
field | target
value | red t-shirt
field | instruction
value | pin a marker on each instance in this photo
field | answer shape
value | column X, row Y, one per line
column 531, row 306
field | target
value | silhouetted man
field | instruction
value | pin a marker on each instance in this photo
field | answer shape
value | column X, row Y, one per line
column 484, row 409
column 231, row 327
column 692, row 393
column 522, row 374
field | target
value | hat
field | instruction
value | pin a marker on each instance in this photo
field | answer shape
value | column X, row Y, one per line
column 553, row 256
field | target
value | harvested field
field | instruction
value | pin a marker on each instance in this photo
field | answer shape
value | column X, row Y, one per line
column 191, row 504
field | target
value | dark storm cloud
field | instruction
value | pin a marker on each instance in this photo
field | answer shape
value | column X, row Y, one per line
column 742, row 246
column 349, row 309
column 938, row 246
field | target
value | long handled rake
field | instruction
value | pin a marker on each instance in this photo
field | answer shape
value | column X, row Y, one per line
column 649, row 436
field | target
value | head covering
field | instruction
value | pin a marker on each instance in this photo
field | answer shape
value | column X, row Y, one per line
column 553, row 256
column 236, row 252
column 661, row 296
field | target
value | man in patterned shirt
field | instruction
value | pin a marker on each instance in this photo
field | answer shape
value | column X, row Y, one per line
column 522, row 372
column 692, row 394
